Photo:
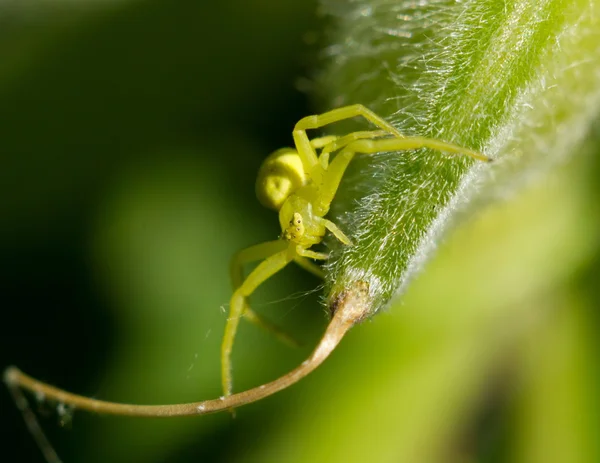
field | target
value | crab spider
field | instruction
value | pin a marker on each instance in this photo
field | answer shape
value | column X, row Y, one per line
column 300, row 185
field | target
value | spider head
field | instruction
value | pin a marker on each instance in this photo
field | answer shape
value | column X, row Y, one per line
column 295, row 230
column 279, row 176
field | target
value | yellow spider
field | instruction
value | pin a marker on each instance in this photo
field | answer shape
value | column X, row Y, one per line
column 301, row 185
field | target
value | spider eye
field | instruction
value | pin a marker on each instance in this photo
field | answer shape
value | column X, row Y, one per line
column 279, row 176
column 295, row 229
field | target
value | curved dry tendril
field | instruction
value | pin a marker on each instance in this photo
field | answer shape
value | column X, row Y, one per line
column 349, row 308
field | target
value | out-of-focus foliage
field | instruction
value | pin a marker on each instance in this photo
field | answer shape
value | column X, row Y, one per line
column 130, row 134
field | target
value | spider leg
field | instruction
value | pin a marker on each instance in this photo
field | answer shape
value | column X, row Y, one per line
column 346, row 112
column 339, row 234
column 303, row 146
column 337, row 167
column 261, row 273
column 318, row 143
column 267, row 325
column 339, row 142
column 311, row 254
column 251, row 254
column 309, row 266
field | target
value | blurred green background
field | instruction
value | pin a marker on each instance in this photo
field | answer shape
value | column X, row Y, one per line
column 130, row 134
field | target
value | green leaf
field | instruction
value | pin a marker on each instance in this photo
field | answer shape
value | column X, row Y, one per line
column 517, row 80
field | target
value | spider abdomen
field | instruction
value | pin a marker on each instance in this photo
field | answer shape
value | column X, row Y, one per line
column 279, row 176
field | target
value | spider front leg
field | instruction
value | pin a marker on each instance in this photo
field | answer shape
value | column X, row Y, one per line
column 280, row 253
column 338, row 143
column 346, row 112
column 333, row 176
column 303, row 145
column 330, row 144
